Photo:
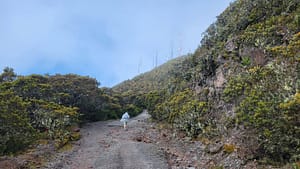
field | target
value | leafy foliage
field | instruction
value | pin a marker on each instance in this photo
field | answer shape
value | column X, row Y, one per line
column 16, row 131
column 264, row 90
column 37, row 106
column 291, row 112
column 7, row 75
column 54, row 119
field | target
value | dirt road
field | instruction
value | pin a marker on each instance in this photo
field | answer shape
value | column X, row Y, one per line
column 106, row 145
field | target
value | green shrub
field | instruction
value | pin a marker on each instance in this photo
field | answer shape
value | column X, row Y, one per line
column 192, row 118
column 53, row 119
column 246, row 61
column 15, row 128
column 229, row 148
column 267, row 108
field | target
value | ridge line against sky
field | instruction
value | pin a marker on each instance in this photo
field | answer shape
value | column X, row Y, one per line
column 112, row 40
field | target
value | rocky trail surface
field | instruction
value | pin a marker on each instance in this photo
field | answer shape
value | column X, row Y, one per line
column 144, row 145
column 106, row 145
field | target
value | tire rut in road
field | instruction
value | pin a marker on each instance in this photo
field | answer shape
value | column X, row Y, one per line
column 132, row 155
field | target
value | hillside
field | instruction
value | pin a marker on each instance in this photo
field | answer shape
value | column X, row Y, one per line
column 154, row 79
column 239, row 89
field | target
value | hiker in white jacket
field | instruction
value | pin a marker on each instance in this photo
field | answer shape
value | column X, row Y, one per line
column 125, row 119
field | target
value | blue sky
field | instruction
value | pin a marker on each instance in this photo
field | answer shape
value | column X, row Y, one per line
column 111, row 40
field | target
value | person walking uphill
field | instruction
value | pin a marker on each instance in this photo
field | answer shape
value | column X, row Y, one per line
column 125, row 119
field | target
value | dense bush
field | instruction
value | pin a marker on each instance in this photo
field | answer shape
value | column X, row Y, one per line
column 262, row 91
column 37, row 106
column 192, row 118
column 291, row 112
column 53, row 119
column 15, row 128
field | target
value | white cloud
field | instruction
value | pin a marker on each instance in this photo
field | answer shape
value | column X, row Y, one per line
column 104, row 39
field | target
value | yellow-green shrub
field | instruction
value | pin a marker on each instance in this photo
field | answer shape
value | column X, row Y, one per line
column 229, row 148
column 16, row 131
column 266, row 108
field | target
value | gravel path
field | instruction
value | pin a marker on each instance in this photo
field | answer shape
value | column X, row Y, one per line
column 106, row 145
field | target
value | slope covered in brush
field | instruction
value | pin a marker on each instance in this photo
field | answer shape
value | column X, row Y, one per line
column 240, row 87
column 155, row 79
